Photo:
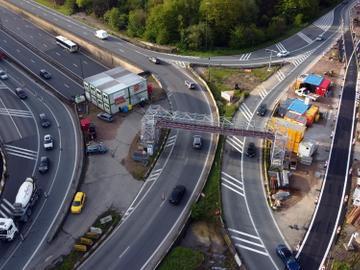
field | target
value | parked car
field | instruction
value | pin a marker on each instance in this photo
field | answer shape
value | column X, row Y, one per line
column 44, row 120
column 44, row 164
column 177, row 194
column 20, row 93
column 287, row 257
column 45, row 74
column 262, row 110
column 154, row 60
column 197, row 142
column 48, row 142
column 105, row 116
column 97, row 148
column 283, row 53
column 78, row 202
column 3, row 75
column 251, row 150
column 190, row 85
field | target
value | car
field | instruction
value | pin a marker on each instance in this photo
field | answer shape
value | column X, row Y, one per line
column 48, row 142
column 287, row 257
column 97, row 148
column 78, row 203
column 197, row 142
column 3, row 75
column 319, row 38
column 251, row 150
column 44, row 164
column 44, row 120
column 177, row 194
column 45, row 74
column 154, row 60
column 262, row 110
column 105, row 116
column 20, row 93
column 283, row 53
column 190, row 85
column 102, row 34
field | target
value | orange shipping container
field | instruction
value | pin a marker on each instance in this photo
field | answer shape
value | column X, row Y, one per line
column 311, row 115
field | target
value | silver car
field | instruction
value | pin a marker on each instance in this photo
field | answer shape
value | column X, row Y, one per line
column 3, row 75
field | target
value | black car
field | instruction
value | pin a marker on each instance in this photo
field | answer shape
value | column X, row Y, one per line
column 287, row 257
column 20, row 93
column 177, row 194
column 44, row 120
column 251, row 150
column 262, row 110
column 44, row 164
column 45, row 74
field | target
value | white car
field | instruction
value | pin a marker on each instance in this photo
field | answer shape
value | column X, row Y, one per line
column 190, row 85
column 48, row 142
column 283, row 53
column 3, row 75
column 102, row 34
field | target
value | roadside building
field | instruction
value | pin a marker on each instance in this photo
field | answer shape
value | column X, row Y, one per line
column 115, row 90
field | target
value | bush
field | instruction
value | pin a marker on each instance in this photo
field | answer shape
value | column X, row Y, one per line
column 181, row 258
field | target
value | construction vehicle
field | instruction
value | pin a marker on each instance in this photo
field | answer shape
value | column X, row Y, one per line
column 26, row 198
column 303, row 92
column 8, row 229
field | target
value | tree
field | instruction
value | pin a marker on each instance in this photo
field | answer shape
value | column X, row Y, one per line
column 136, row 23
column 84, row 4
column 112, row 17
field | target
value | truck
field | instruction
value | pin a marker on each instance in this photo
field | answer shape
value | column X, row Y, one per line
column 25, row 199
column 303, row 92
column 8, row 229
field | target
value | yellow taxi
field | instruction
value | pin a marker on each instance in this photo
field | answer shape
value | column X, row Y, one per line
column 78, row 202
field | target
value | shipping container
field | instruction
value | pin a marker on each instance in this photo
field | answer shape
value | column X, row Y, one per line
column 311, row 115
column 295, row 118
column 323, row 88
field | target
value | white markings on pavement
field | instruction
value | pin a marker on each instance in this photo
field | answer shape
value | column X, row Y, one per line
column 14, row 112
column 280, row 75
column 232, row 184
column 18, row 51
column 120, row 50
column 170, row 141
column 280, row 47
column 245, row 57
column 85, row 62
column 300, row 58
column 20, row 152
column 58, row 54
column 154, row 175
column 248, row 241
column 304, row 37
column 32, row 61
column 246, row 111
column 235, row 143
column 263, row 92
column 122, row 253
column 75, row 65
column 67, row 86
column 45, row 45
column 325, row 21
column 181, row 64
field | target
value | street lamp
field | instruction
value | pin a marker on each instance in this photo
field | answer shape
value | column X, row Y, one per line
column 269, row 51
column 209, row 70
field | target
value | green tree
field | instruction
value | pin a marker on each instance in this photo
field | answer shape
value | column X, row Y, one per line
column 83, row 3
column 136, row 23
column 70, row 5
column 112, row 17
column 298, row 20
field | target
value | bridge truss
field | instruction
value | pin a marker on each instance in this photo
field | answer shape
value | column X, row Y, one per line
column 157, row 117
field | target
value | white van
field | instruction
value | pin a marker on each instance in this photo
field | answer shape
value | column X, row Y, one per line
column 102, row 34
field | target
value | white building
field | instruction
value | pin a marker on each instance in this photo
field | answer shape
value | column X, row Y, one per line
column 115, row 89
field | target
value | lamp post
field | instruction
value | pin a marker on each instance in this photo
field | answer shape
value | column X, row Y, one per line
column 270, row 51
column 209, row 70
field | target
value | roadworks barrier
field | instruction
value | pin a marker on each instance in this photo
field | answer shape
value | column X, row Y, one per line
column 80, row 248
column 86, row 241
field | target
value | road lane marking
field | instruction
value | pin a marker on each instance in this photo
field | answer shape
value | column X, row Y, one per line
column 253, row 250
column 122, row 253
column 304, row 37
column 8, row 203
column 247, row 241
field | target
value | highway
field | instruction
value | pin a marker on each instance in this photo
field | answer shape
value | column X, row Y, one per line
column 182, row 100
column 23, row 145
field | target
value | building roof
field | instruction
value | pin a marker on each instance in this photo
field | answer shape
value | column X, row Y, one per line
column 325, row 83
column 314, row 79
column 114, row 80
column 297, row 105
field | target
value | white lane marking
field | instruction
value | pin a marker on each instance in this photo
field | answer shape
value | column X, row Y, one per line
column 251, row 249
column 245, row 57
column 243, row 233
column 8, row 203
column 236, row 143
column 170, row 141
column 280, row 47
column 232, row 189
column 247, row 241
column 3, row 214
column 6, row 209
column 12, row 119
column 304, row 37
column 280, row 75
column 325, row 22
column 122, row 253
column 263, row 92
column 232, row 183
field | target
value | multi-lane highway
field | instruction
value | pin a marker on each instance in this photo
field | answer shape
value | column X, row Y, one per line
column 23, row 143
column 132, row 245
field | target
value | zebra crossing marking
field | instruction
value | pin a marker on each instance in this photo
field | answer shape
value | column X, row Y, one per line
column 154, row 175
column 20, row 152
column 6, row 208
column 301, row 58
column 304, row 37
column 263, row 92
column 170, row 141
column 232, row 184
column 245, row 57
column 181, row 64
column 325, row 22
column 280, row 75
column 236, row 143
column 248, row 241
column 244, row 109
column 280, row 47
column 15, row 112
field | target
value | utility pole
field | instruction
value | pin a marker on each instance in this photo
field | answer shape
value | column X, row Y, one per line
column 209, row 70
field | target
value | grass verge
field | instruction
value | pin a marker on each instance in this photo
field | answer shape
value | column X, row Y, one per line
column 181, row 258
column 60, row 8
